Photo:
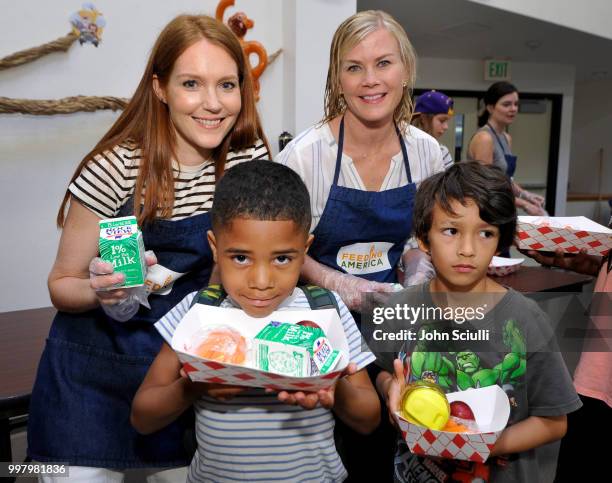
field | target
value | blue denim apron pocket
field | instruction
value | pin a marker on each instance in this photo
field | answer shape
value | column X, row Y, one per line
column 70, row 416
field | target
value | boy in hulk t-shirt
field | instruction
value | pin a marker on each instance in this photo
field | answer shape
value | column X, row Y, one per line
column 463, row 217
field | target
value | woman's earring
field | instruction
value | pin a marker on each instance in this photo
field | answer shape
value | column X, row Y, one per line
column 404, row 84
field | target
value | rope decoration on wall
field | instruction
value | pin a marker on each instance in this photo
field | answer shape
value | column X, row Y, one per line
column 87, row 26
column 28, row 55
column 67, row 105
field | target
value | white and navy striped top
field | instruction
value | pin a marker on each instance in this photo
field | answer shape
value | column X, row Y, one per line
column 255, row 437
column 108, row 180
column 312, row 155
column 447, row 158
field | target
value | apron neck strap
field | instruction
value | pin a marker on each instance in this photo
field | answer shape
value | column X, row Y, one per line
column 496, row 138
column 341, row 147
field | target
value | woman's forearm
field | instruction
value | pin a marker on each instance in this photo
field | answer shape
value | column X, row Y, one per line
column 311, row 271
column 72, row 294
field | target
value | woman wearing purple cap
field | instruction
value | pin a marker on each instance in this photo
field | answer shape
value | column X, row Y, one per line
column 492, row 144
column 431, row 114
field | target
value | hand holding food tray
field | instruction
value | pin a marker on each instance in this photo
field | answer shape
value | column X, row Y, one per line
column 570, row 233
column 457, row 436
column 244, row 336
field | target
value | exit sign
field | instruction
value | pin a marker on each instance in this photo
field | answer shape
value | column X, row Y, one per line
column 496, row 70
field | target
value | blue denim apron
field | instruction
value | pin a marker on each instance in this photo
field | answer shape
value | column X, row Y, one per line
column 510, row 158
column 354, row 216
column 92, row 366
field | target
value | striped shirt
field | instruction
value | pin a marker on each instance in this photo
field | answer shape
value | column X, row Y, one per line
column 107, row 181
column 447, row 159
column 255, row 437
column 313, row 153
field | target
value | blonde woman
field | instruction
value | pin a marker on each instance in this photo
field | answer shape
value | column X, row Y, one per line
column 192, row 115
column 362, row 163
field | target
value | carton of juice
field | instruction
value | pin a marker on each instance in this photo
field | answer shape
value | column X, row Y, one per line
column 121, row 244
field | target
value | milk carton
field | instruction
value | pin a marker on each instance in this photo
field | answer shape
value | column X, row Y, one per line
column 121, row 244
column 293, row 350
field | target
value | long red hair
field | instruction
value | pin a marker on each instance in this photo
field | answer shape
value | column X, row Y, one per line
column 146, row 120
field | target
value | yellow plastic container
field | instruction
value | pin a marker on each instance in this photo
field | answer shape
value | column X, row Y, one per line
column 425, row 404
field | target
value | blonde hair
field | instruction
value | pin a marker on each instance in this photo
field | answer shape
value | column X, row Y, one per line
column 352, row 31
column 146, row 121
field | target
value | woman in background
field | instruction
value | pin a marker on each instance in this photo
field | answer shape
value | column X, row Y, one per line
column 493, row 145
column 432, row 112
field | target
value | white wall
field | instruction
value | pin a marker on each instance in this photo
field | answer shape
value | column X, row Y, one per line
column 590, row 133
column 308, row 28
column 591, row 16
column 39, row 153
column 466, row 74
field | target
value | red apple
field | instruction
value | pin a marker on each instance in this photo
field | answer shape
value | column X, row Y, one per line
column 308, row 323
column 459, row 409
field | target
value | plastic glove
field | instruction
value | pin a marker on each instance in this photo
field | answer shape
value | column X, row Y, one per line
column 417, row 267
column 530, row 202
column 351, row 288
column 120, row 304
column 533, row 198
column 533, row 209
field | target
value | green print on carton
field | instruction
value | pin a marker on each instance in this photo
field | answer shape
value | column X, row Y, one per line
column 121, row 244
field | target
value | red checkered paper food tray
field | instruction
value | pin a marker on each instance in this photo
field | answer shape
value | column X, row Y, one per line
column 491, row 410
column 199, row 317
column 570, row 233
column 500, row 266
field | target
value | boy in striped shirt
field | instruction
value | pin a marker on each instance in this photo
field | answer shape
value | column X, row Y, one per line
column 261, row 219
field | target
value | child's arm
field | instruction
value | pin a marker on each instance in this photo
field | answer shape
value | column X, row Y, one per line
column 165, row 394
column 530, row 433
column 356, row 402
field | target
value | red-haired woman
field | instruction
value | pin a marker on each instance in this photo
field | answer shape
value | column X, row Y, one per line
column 192, row 115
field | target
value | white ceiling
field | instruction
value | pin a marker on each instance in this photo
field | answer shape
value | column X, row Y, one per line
column 460, row 29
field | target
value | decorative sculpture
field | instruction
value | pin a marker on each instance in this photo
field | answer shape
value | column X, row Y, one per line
column 240, row 24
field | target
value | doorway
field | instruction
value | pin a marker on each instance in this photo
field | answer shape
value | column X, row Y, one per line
column 535, row 137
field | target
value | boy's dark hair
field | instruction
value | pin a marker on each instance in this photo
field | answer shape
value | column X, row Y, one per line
column 261, row 190
column 488, row 186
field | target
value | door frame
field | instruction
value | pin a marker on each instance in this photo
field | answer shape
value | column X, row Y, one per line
column 555, row 133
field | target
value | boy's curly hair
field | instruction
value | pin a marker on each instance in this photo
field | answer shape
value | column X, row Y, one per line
column 261, row 190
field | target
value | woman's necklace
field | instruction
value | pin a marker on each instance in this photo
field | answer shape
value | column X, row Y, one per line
column 368, row 152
